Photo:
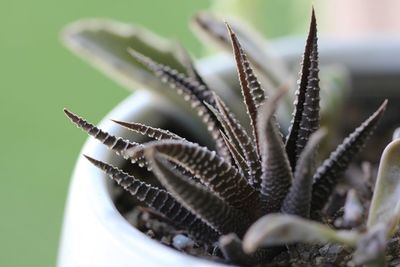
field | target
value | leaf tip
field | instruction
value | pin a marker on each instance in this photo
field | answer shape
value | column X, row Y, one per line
column 229, row 28
column 122, row 123
column 73, row 117
column 92, row 160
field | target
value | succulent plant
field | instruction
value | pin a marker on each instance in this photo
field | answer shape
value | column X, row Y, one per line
column 259, row 198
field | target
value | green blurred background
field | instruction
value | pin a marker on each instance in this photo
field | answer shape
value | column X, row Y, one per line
column 39, row 77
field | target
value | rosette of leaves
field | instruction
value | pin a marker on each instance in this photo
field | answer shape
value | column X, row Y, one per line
column 259, row 195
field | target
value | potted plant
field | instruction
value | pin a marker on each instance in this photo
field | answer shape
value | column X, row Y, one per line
column 209, row 225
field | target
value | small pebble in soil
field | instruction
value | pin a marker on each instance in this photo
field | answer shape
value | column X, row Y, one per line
column 182, row 242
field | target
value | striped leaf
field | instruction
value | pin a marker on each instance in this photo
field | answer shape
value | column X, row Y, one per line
column 240, row 162
column 327, row 175
column 252, row 92
column 306, row 113
column 117, row 144
column 298, row 200
column 277, row 176
column 161, row 201
column 232, row 142
column 242, row 141
column 192, row 91
column 196, row 198
column 155, row 133
column 218, row 175
column 206, row 93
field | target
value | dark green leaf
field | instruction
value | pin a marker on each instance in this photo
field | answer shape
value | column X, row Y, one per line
column 192, row 91
column 252, row 92
column 328, row 174
column 240, row 139
column 277, row 176
column 306, row 114
column 298, row 200
column 218, row 175
column 117, row 144
column 196, row 198
column 155, row 133
column 159, row 200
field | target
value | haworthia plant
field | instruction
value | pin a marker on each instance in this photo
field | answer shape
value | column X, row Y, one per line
column 259, row 197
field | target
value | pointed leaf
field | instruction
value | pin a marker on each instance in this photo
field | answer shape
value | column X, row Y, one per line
column 306, row 113
column 196, row 198
column 279, row 229
column 205, row 94
column 191, row 91
column 155, row 133
column 328, row 174
column 214, row 172
column 189, row 88
column 385, row 204
column 117, row 144
column 298, row 200
column 252, row 92
column 159, row 200
column 240, row 162
column 240, row 139
column 276, row 173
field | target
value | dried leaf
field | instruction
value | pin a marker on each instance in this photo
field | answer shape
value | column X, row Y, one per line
column 279, row 229
column 385, row 204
